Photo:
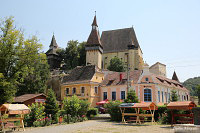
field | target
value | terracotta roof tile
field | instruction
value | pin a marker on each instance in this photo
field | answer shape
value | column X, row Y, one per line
column 114, row 78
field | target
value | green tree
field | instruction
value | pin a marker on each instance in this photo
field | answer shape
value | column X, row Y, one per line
column 192, row 84
column 198, row 93
column 174, row 96
column 17, row 57
column 36, row 81
column 82, row 54
column 71, row 55
column 131, row 97
column 116, row 65
column 51, row 106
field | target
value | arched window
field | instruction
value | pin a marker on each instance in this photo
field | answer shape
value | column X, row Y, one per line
column 147, row 95
column 74, row 90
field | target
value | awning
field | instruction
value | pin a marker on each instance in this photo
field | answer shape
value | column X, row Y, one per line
column 15, row 108
column 102, row 102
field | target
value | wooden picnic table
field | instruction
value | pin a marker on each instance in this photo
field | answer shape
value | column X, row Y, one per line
column 151, row 107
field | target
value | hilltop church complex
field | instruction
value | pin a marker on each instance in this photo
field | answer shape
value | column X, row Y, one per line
column 95, row 83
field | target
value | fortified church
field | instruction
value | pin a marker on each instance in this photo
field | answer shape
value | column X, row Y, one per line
column 95, row 83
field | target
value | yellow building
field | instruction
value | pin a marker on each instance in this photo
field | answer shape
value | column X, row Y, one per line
column 122, row 43
column 83, row 81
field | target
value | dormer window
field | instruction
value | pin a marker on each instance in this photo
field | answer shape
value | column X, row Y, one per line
column 147, row 79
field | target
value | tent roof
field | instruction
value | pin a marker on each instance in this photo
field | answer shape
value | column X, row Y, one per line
column 15, row 108
column 184, row 105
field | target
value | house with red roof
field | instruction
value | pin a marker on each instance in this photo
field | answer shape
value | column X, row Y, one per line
column 149, row 87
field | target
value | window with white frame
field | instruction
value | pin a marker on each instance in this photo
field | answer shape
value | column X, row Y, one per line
column 74, row 91
column 96, row 89
column 82, row 90
column 162, row 97
column 114, row 95
column 105, row 95
column 166, row 97
column 123, row 96
column 147, row 95
column 67, row 91
column 158, row 96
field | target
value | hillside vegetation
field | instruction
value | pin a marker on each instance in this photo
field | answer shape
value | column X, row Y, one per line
column 191, row 84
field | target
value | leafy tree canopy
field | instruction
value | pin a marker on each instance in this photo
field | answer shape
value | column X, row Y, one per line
column 18, row 57
column 74, row 54
column 192, row 84
column 116, row 65
column 198, row 93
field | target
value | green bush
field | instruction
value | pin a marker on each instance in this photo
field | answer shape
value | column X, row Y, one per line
column 92, row 111
column 114, row 110
column 159, row 113
column 36, row 115
column 84, row 107
column 74, row 109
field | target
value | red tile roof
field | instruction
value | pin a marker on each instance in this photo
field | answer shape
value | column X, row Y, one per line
column 114, row 78
column 186, row 105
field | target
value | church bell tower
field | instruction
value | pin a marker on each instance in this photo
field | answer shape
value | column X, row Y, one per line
column 93, row 47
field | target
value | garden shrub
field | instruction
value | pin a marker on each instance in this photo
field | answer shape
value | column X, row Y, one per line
column 92, row 111
column 84, row 108
column 71, row 105
column 164, row 116
column 114, row 110
column 36, row 116
column 74, row 109
column 158, row 113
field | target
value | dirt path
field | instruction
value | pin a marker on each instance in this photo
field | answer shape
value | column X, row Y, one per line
column 101, row 126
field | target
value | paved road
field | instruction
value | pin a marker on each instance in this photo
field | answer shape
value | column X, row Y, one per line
column 99, row 126
column 67, row 128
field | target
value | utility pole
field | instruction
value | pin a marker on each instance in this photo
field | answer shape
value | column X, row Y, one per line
column 128, row 68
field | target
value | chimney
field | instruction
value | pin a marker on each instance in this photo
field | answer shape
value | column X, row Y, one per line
column 120, row 76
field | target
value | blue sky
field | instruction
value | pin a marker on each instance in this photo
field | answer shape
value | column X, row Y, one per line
column 167, row 31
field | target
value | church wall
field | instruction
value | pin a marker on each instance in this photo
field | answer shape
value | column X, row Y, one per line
column 135, row 58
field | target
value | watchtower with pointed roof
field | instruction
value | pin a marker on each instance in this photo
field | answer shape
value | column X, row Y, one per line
column 53, row 57
column 93, row 47
column 175, row 77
